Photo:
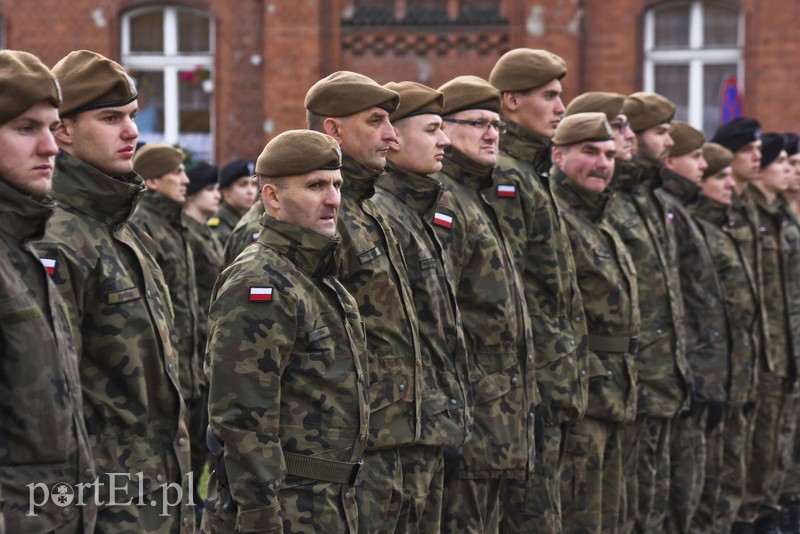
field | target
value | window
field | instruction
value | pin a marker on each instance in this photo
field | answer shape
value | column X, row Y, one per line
column 167, row 51
column 693, row 55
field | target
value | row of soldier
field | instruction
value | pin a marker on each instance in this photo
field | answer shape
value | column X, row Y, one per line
column 477, row 344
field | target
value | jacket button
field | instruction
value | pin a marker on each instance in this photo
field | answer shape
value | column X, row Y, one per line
column 402, row 387
column 181, row 441
column 159, row 477
column 88, row 473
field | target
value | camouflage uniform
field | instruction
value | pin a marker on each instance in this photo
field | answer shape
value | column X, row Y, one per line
column 407, row 201
column 287, row 387
column 222, row 223
column 661, row 359
column 207, row 266
column 121, row 318
column 372, row 269
column 707, row 349
column 591, row 483
column 531, row 223
column 729, row 240
column 499, row 340
column 42, row 434
column 244, row 233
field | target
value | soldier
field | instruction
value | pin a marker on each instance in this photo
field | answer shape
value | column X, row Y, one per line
column 43, row 438
column 661, row 359
column 705, row 328
column 406, row 196
column 530, row 87
column 246, row 231
column 239, row 191
column 288, row 397
column 118, row 303
column 491, row 300
column 791, row 143
column 610, row 104
column 354, row 110
column 591, row 488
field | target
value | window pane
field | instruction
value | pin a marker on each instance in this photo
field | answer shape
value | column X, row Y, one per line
column 672, row 27
column 150, row 118
column 193, row 32
column 147, row 32
column 720, row 25
column 194, row 88
column 672, row 81
column 714, row 77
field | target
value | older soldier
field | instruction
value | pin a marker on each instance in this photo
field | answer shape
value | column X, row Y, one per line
column 592, row 481
column 530, row 86
column 497, row 329
column 726, row 463
column 661, row 358
column 354, row 110
column 118, row 305
column 43, row 440
column 406, row 195
column 239, row 191
column 288, row 397
column 246, row 231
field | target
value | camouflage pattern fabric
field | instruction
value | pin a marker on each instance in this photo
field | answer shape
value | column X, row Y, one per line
column 702, row 521
column 688, row 454
column 245, row 232
column 121, row 315
column 42, row 434
column 287, row 375
column 791, row 486
column 473, row 505
column 207, row 267
column 222, row 223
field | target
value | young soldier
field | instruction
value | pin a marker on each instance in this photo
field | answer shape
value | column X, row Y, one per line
column 118, row 304
column 610, row 104
column 530, row 86
column 239, row 191
column 583, row 155
column 43, row 439
column 497, row 327
column 288, row 397
column 791, row 143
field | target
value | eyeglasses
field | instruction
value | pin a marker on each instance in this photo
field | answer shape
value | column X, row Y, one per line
column 481, row 124
column 622, row 126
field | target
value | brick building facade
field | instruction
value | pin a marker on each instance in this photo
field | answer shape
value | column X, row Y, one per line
column 262, row 55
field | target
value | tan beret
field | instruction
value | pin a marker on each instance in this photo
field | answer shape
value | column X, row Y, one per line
column 685, row 137
column 346, row 93
column 590, row 126
column 297, row 152
column 92, row 81
column 154, row 160
column 525, row 68
column 469, row 92
column 24, row 81
column 717, row 156
column 597, row 101
column 416, row 99
column 646, row 110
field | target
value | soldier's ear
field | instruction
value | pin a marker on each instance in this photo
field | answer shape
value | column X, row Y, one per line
column 63, row 132
column 271, row 196
column 510, row 101
column 333, row 127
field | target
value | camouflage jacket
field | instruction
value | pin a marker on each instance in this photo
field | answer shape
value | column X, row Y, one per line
column 793, row 287
column 163, row 219
column 705, row 319
column 727, row 242
column 122, row 324
column 497, row 327
column 222, row 223
column 244, row 233
column 406, row 200
column 42, row 434
column 207, row 266
column 608, row 284
column 371, row 267
column 780, row 268
column 661, row 360
column 532, row 225
column 287, row 369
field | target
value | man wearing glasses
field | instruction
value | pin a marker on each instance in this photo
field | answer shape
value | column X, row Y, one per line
column 530, row 85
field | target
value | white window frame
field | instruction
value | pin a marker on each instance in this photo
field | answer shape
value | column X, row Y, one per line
column 170, row 61
column 696, row 57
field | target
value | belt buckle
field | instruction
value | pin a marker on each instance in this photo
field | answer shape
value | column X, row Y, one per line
column 355, row 475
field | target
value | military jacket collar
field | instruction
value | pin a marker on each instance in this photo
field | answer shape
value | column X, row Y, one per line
column 418, row 192
column 359, row 180
column 23, row 217
column 226, row 213
column 627, row 176
column 163, row 206
column 522, row 144
column 680, row 187
column 83, row 187
column 591, row 204
column 465, row 171
column 761, row 201
column 312, row 252
column 710, row 210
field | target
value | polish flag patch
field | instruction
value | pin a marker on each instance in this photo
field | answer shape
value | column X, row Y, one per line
column 49, row 264
column 440, row 219
column 260, row 294
column 506, row 191
column 255, row 236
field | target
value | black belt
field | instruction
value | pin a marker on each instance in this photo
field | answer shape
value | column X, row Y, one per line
column 303, row 466
column 614, row 343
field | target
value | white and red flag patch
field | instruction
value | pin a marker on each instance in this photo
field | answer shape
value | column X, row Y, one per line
column 440, row 219
column 49, row 264
column 507, row 191
column 260, row 294
column 255, row 236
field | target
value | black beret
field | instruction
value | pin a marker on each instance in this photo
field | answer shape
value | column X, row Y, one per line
column 236, row 169
column 771, row 147
column 522, row 69
column 598, row 101
column 346, row 93
column 717, row 156
column 92, row 81
column 469, row 92
column 737, row 133
column 791, row 143
column 201, row 175
column 646, row 110
column 686, row 138
column 24, row 81
column 296, row 152
column 589, row 126
column 415, row 99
